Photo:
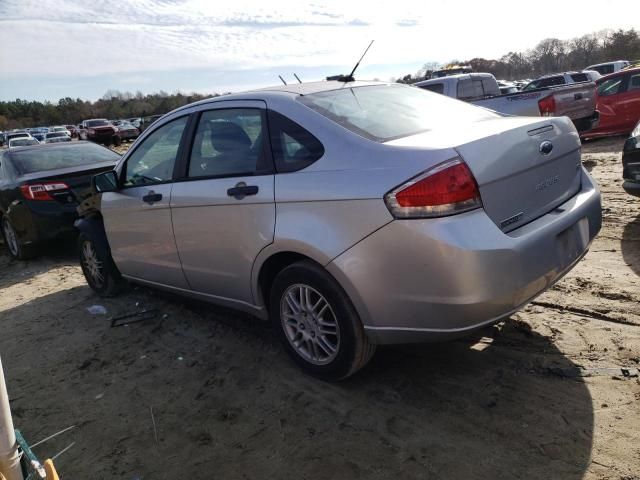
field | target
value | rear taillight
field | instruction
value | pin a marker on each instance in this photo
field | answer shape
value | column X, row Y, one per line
column 446, row 189
column 547, row 106
column 42, row 191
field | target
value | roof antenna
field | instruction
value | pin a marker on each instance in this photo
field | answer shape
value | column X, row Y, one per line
column 349, row 78
column 299, row 81
column 280, row 77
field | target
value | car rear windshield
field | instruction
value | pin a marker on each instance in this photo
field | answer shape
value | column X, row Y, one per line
column 386, row 112
column 56, row 134
column 97, row 123
column 60, row 156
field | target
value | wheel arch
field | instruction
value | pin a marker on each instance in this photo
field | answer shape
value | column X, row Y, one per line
column 93, row 227
column 271, row 261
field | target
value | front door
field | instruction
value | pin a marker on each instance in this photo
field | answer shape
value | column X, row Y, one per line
column 223, row 210
column 611, row 110
column 137, row 217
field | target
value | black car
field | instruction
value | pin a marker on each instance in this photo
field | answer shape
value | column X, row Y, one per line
column 40, row 189
column 631, row 163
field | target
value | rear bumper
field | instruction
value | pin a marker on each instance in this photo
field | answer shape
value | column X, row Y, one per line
column 435, row 279
column 43, row 222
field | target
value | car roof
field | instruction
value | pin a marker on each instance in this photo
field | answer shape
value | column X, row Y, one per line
column 607, row 63
column 292, row 90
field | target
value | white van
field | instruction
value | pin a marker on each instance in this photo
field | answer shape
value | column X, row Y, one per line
column 609, row 67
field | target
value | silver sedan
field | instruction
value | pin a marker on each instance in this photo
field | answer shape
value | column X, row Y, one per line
column 350, row 214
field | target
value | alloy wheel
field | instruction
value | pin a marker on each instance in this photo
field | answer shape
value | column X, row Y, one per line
column 310, row 324
column 10, row 237
column 92, row 264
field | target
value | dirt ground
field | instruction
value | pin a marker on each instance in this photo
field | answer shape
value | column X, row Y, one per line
column 200, row 392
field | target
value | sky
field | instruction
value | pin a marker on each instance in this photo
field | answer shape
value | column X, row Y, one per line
column 50, row 49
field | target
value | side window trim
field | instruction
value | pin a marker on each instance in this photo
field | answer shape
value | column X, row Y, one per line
column 123, row 169
column 181, row 172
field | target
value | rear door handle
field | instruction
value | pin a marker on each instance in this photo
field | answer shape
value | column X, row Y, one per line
column 577, row 96
column 241, row 190
column 152, row 197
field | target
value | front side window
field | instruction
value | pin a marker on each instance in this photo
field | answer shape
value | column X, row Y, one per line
column 579, row 77
column 229, row 142
column 153, row 161
column 612, row 86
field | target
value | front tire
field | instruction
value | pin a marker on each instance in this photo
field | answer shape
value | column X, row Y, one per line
column 98, row 268
column 16, row 249
column 317, row 324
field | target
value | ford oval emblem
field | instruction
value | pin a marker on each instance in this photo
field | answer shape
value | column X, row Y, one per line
column 546, row 147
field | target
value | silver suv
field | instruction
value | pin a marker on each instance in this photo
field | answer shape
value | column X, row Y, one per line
column 351, row 214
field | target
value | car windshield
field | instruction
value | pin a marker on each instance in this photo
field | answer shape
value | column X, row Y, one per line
column 53, row 157
column 97, row 123
column 59, row 129
column 23, row 142
column 387, row 112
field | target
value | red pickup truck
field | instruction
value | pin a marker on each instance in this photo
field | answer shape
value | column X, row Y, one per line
column 99, row 130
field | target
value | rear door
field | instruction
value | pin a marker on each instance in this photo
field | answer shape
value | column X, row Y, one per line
column 137, row 218
column 223, row 208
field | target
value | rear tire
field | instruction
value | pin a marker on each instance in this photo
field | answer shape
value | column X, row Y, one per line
column 317, row 323
column 117, row 141
column 98, row 268
column 16, row 249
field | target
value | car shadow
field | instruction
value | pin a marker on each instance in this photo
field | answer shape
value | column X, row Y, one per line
column 61, row 252
column 630, row 244
column 198, row 388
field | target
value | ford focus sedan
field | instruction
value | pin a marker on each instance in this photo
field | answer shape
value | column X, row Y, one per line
column 350, row 214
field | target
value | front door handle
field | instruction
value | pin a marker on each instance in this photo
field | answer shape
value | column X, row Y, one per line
column 241, row 190
column 152, row 197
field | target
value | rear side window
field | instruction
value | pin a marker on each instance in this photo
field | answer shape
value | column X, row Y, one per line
column 605, row 69
column 434, row 87
column 634, row 82
column 470, row 88
column 579, row 77
column 229, row 142
column 294, row 148
column 611, row 86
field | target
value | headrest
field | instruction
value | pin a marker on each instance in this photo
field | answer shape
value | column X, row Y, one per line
column 227, row 136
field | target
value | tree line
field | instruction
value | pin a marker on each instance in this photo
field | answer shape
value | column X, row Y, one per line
column 551, row 55
column 68, row 111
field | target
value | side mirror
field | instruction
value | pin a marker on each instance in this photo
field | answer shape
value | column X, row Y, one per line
column 105, row 182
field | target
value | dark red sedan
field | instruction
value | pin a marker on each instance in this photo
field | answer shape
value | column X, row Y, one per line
column 618, row 103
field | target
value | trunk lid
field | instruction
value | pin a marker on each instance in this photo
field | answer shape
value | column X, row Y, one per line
column 517, row 182
column 576, row 100
column 78, row 181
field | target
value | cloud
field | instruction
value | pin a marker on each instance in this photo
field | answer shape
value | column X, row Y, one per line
column 58, row 41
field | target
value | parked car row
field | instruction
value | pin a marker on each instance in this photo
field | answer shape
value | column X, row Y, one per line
column 97, row 130
column 34, row 136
